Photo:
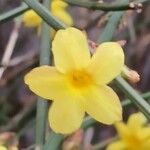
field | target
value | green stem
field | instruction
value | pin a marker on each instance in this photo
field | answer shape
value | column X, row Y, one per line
column 134, row 96
column 21, row 9
column 13, row 13
column 104, row 6
column 45, row 14
column 53, row 141
column 41, row 114
column 111, row 26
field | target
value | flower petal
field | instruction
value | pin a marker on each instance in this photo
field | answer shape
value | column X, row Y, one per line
column 144, row 133
column 58, row 4
column 58, row 10
column 119, row 145
column 107, row 62
column 146, row 144
column 47, row 82
column 122, row 130
column 136, row 121
column 70, row 49
column 31, row 19
column 3, row 147
column 66, row 115
column 103, row 104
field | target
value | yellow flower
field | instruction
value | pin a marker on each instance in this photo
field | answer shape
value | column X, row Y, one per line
column 58, row 9
column 31, row 19
column 77, row 83
column 2, row 147
column 134, row 136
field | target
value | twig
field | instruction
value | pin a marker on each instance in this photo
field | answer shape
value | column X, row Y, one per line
column 10, row 47
column 48, row 17
column 134, row 96
column 136, row 5
column 13, row 13
column 42, row 105
column 23, row 58
column 18, row 70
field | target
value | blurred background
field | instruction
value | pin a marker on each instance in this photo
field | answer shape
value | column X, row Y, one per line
column 17, row 102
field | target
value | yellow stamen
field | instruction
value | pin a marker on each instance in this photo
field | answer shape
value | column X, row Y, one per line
column 80, row 79
column 133, row 140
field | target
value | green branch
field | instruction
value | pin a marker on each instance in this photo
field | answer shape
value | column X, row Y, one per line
column 106, row 6
column 53, row 141
column 136, row 98
column 42, row 105
column 13, row 13
column 45, row 14
column 110, row 27
column 21, row 9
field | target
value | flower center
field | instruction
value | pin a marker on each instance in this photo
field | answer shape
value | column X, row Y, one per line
column 80, row 79
column 134, row 141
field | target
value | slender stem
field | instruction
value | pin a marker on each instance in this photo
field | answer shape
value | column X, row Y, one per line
column 53, row 141
column 113, row 21
column 105, row 6
column 10, row 47
column 13, row 13
column 134, row 96
column 45, row 14
column 21, row 9
column 110, row 27
column 41, row 115
column 112, row 24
